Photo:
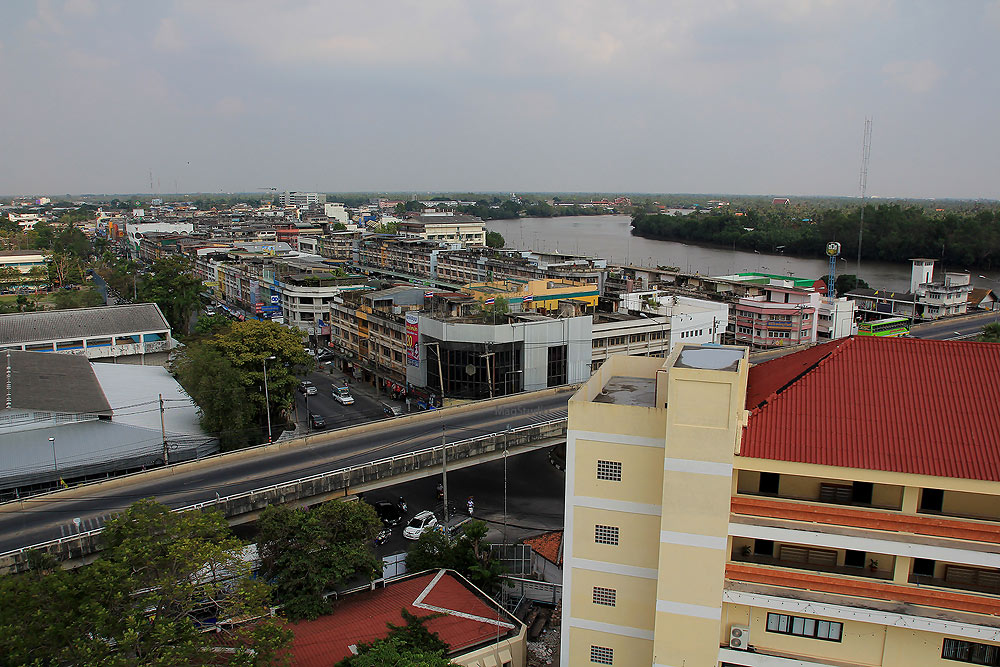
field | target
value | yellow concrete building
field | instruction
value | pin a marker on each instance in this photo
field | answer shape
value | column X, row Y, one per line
column 835, row 507
column 535, row 295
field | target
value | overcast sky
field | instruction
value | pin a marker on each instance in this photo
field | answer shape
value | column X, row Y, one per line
column 520, row 95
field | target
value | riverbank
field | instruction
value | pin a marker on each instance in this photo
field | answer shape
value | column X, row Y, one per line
column 609, row 237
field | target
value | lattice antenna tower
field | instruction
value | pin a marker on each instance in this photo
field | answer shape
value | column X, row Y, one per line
column 866, row 149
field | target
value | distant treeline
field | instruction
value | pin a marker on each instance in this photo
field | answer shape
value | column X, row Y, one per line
column 892, row 233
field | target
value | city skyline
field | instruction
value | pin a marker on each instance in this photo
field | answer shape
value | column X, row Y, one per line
column 766, row 97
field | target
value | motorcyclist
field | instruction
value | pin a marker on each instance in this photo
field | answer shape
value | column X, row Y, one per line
column 471, row 505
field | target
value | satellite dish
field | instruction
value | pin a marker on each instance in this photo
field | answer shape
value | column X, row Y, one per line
column 470, row 370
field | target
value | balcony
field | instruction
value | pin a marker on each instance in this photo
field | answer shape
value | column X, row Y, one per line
column 885, row 575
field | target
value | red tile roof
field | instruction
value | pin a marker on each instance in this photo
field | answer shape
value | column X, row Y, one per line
column 362, row 617
column 895, row 404
column 547, row 545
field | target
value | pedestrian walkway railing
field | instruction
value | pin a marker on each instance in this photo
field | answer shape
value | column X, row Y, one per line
column 323, row 485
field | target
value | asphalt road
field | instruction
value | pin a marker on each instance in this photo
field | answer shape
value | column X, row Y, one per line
column 49, row 517
column 533, row 489
column 956, row 328
column 364, row 409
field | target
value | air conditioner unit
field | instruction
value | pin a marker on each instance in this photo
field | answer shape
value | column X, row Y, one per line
column 739, row 637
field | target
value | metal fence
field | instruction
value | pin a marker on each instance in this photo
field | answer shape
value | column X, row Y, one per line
column 518, row 589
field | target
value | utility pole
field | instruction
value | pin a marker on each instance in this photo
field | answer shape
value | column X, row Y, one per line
column 163, row 432
column 444, row 482
column 866, row 149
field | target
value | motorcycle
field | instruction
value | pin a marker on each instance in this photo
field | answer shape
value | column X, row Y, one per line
column 402, row 504
column 383, row 536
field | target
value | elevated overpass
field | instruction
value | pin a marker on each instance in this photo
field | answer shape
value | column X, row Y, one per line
column 303, row 471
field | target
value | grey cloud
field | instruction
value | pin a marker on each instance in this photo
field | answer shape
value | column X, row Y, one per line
column 765, row 96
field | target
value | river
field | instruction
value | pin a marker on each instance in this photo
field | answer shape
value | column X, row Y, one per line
column 608, row 236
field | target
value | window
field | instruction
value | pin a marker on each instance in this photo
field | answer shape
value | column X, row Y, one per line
column 804, row 627
column 602, row 655
column 556, row 366
column 606, row 534
column 923, row 567
column 963, row 651
column 605, row 596
column 931, row 500
column 763, row 547
column 769, row 482
column 609, row 470
column 854, row 558
column 861, row 492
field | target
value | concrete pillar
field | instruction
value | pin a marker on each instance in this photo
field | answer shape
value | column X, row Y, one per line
column 911, row 497
column 901, row 571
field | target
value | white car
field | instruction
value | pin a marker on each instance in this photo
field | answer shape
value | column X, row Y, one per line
column 342, row 395
column 422, row 522
column 308, row 388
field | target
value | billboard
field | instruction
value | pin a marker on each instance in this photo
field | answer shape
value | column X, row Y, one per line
column 412, row 340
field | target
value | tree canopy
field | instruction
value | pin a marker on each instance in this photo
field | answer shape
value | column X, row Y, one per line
column 307, row 552
column 892, row 232
column 174, row 289
column 991, row 333
column 408, row 645
column 224, row 374
column 495, row 240
column 468, row 554
column 160, row 576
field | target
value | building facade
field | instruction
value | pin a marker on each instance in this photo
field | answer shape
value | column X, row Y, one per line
column 722, row 515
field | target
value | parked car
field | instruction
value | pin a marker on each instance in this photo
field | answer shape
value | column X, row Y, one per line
column 423, row 521
column 391, row 410
column 391, row 514
column 317, row 421
column 325, row 355
column 342, row 395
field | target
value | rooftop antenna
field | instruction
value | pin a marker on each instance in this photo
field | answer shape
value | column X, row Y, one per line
column 866, row 149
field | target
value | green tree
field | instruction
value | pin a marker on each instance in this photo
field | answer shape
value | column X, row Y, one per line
column 218, row 389
column 171, row 285
column 38, row 276
column 42, row 236
column 211, row 324
column 139, row 603
column 847, row 282
column 495, row 240
column 248, row 344
column 405, row 646
column 991, row 333
column 77, row 298
column 468, row 554
column 9, row 276
column 307, row 552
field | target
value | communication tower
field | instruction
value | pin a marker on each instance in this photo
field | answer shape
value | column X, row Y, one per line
column 832, row 251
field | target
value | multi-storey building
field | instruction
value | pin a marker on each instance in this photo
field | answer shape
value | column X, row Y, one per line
column 541, row 296
column 927, row 299
column 467, row 230
column 300, row 199
column 781, row 316
column 837, row 506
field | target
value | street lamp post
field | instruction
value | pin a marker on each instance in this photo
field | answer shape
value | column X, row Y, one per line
column 267, row 399
column 55, row 464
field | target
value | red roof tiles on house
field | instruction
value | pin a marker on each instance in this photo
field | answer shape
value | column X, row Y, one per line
column 362, row 617
column 547, row 545
column 894, row 404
